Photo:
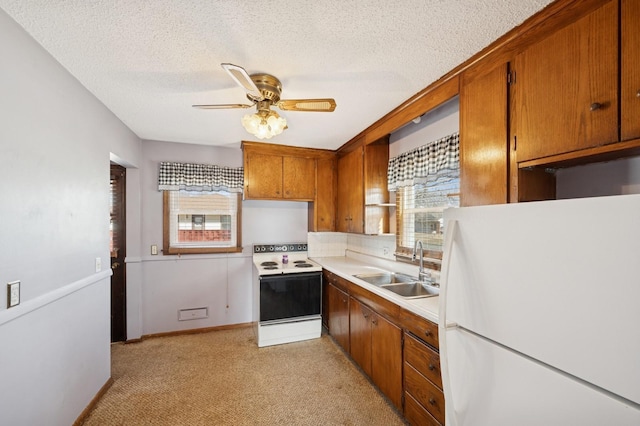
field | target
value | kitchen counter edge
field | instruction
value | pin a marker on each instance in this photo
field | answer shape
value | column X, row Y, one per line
column 348, row 266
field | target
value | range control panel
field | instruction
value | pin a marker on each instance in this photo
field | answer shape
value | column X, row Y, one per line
column 279, row 248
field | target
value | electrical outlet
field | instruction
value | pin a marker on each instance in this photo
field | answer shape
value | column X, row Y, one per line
column 385, row 250
column 154, row 250
column 13, row 294
column 98, row 264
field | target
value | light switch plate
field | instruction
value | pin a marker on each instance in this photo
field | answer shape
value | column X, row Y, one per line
column 98, row 264
column 13, row 294
column 154, row 250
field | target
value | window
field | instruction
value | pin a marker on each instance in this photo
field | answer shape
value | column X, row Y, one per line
column 202, row 208
column 420, row 210
column 426, row 181
column 202, row 222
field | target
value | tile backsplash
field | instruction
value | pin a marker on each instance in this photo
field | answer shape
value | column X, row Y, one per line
column 323, row 244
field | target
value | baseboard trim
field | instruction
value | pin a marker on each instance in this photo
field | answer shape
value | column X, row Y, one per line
column 192, row 331
column 85, row 413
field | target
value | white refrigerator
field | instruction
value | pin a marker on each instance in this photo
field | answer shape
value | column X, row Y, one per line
column 540, row 313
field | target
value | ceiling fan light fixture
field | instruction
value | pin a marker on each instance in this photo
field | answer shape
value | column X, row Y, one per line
column 264, row 124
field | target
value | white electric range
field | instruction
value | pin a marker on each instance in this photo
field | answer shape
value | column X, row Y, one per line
column 287, row 294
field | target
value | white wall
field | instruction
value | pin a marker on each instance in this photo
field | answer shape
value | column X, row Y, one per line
column 436, row 124
column 619, row 177
column 222, row 283
column 55, row 142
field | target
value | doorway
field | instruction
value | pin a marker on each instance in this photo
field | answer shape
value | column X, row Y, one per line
column 118, row 250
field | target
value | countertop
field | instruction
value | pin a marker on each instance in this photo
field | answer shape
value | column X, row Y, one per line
column 355, row 263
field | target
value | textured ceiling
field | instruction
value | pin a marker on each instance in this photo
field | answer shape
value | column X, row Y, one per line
column 148, row 61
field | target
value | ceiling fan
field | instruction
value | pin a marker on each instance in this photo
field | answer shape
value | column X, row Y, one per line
column 264, row 90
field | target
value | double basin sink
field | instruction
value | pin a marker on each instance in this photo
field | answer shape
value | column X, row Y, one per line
column 401, row 284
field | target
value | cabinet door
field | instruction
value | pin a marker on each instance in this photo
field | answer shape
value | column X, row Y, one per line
column 351, row 192
column 299, row 178
column 360, row 326
column 263, row 176
column 386, row 358
column 566, row 88
column 376, row 162
column 424, row 392
column 322, row 215
column 630, row 73
column 484, row 139
column 339, row 316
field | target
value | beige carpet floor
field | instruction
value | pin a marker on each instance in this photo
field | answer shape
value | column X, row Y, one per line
column 223, row 378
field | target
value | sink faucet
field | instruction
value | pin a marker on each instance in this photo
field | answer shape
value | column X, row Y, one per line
column 424, row 276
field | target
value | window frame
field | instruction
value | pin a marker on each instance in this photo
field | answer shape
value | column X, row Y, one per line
column 167, row 249
column 431, row 258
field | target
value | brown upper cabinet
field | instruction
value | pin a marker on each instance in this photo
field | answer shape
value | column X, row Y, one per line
column 280, row 172
column 566, row 88
column 483, row 138
column 322, row 212
column 362, row 189
column 351, row 192
column 630, row 73
column 274, row 177
column 572, row 97
column 559, row 90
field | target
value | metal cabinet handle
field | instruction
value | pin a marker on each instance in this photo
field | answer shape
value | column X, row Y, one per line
column 595, row 106
column 638, row 94
column 432, row 401
column 366, row 315
column 115, row 265
column 432, row 367
column 427, row 333
column 374, row 321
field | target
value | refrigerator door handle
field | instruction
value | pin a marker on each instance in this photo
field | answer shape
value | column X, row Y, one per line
column 452, row 228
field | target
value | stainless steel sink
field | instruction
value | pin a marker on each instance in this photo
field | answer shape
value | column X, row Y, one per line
column 401, row 284
column 383, row 278
column 412, row 290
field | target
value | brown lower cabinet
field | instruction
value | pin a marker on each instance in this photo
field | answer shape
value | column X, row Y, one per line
column 338, row 310
column 422, row 383
column 395, row 348
column 376, row 346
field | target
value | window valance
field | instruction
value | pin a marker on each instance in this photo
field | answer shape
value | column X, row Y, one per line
column 414, row 166
column 199, row 177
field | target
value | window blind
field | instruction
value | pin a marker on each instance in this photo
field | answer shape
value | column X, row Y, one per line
column 202, row 219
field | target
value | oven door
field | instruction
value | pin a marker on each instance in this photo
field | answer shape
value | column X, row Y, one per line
column 290, row 296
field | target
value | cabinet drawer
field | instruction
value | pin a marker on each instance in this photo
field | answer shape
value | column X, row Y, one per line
column 337, row 281
column 420, row 327
column 423, row 358
column 416, row 414
column 425, row 392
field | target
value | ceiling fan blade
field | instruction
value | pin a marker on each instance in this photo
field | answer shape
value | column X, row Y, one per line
column 222, row 106
column 244, row 80
column 313, row 105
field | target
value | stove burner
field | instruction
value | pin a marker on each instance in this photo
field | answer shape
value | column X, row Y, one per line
column 269, row 264
column 272, row 267
column 304, row 265
column 300, row 261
